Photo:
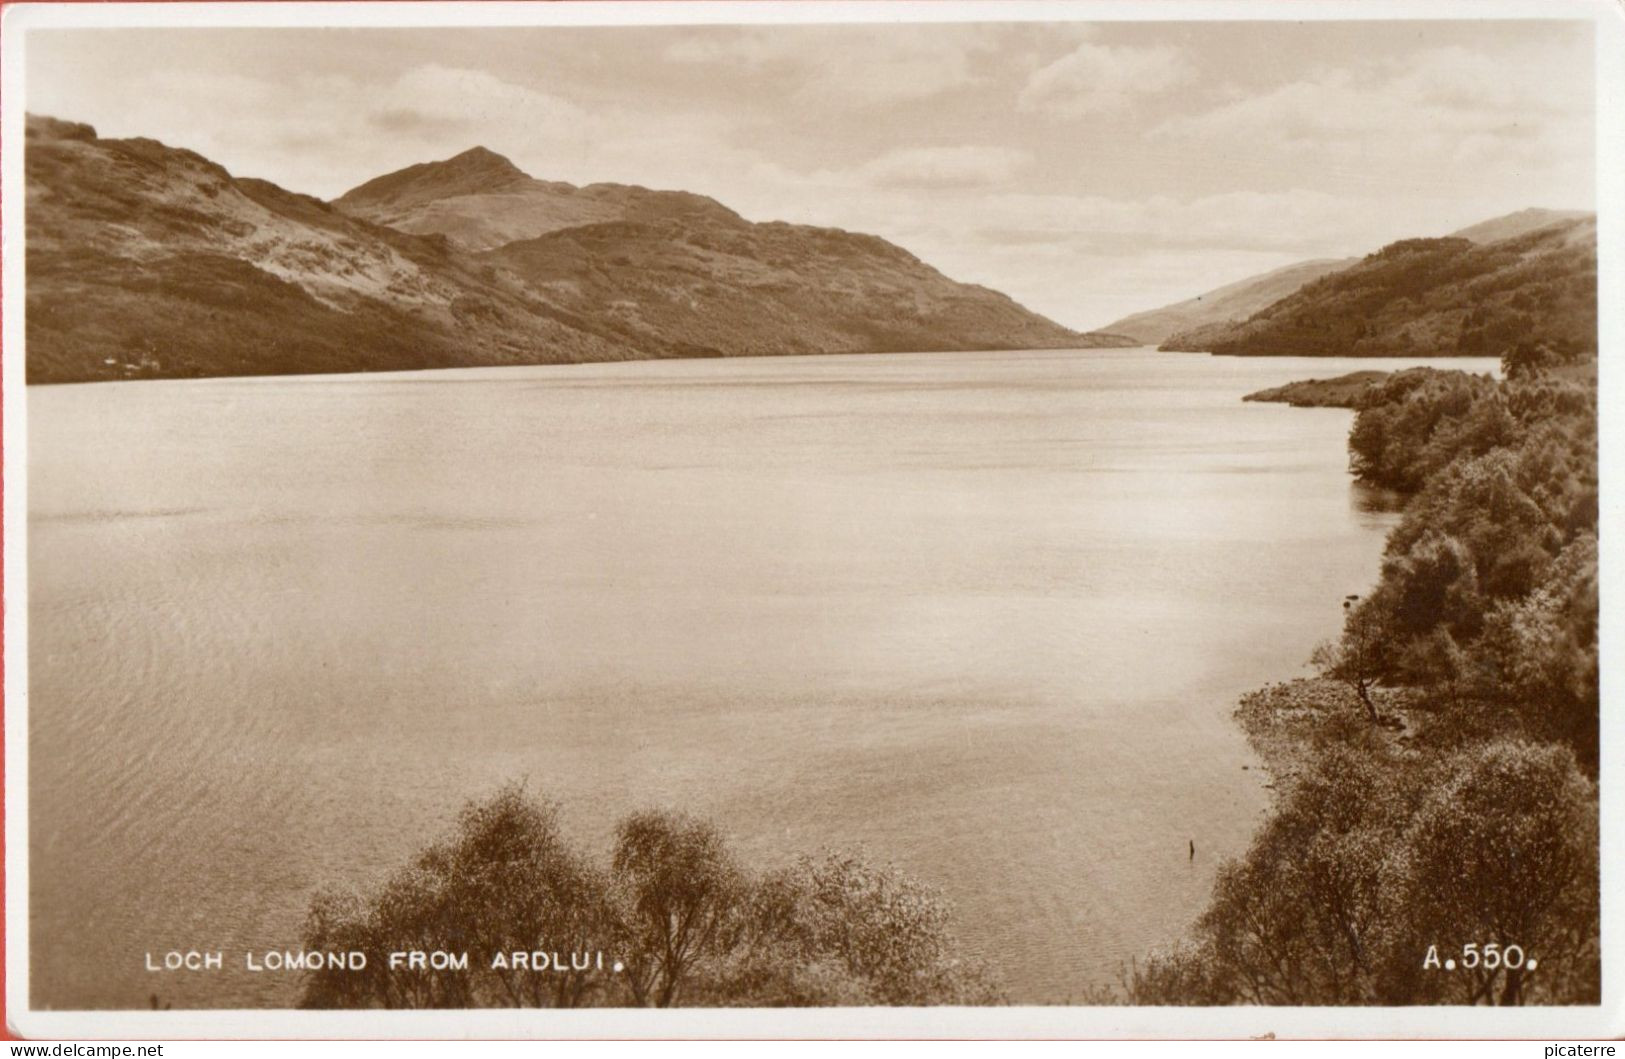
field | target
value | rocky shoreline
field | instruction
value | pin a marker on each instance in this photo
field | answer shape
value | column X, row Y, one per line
column 1284, row 721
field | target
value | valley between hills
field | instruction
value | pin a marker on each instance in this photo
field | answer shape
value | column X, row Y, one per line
column 151, row 261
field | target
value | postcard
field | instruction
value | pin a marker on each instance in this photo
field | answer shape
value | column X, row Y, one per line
column 812, row 519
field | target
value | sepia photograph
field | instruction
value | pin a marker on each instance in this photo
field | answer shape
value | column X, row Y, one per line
column 796, row 511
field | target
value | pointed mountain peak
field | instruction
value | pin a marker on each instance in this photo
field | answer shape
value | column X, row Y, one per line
column 476, row 170
column 481, row 158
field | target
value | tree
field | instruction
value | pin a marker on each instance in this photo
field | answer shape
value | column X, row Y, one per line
column 410, row 912
column 1354, row 660
column 520, row 887
column 1432, row 585
column 684, row 895
column 1385, row 854
column 1540, row 653
column 504, row 882
column 1375, row 857
column 1503, row 852
column 1527, row 358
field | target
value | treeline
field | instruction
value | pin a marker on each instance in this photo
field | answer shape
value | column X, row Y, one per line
column 1436, row 788
column 677, row 918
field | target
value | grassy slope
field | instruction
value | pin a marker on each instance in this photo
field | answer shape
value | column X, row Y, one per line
column 1224, row 305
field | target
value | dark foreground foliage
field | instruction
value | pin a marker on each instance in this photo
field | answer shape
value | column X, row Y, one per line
column 1436, row 790
column 689, row 924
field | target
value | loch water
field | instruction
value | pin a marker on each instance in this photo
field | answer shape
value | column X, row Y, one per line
column 984, row 616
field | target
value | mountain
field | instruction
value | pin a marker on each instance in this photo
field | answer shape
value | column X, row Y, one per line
column 147, row 260
column 480, row 201
column 681, row 275
column 1515, row 224
column 144, row 260
column 1434, row 297
column 1235, row 301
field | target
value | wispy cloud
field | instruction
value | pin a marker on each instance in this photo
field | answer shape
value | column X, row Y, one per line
column 1099, row 79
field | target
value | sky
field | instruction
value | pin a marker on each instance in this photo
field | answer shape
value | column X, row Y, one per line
column 1088, row 170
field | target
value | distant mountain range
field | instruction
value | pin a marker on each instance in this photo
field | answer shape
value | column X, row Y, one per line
column 1433, row 297
column 145, row 260
column 1197, row 323
column 1515, row 224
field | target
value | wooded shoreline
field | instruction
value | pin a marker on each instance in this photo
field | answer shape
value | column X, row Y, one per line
column 1435, row 787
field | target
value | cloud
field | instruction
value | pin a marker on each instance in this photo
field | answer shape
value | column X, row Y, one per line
column 947, row 167
column 448, row 95
column 1438, row 105
column 1103, row 79
column 847, row 66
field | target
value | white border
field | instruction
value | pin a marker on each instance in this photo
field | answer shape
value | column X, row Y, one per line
column 1608, row 1020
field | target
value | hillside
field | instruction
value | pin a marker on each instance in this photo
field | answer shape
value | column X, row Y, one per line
column 1434, row 297
column 1201, row 319
column 150, row 261
column 1232, row 302
column 682, row 289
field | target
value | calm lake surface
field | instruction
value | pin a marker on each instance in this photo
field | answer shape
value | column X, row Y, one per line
column 983, row 615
